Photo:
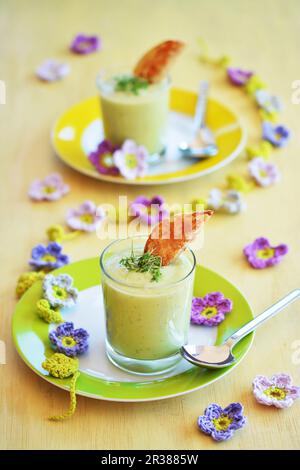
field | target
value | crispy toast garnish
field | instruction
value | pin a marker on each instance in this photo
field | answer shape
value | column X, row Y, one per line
column 170, row 237
column 154, row 65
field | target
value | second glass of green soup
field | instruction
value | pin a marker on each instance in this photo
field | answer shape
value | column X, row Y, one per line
column 134, row 109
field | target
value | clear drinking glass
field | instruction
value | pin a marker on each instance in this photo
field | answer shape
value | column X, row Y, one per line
column 141, row 117
column 145, row 324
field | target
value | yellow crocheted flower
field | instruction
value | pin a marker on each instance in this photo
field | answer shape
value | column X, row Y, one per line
column 239, row 183
column 61, row 366
column 253, row 84
column 56, row 233
column 47, row 313
column 224, row 61
column 267, row 116
column 264, row 149
column 26, row 280
column 201, row 201
column 206, row 56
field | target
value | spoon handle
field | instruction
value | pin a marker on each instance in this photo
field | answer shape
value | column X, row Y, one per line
column 201, row 106
column 263, row 317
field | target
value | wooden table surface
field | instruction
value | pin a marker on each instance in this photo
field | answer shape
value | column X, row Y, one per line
column 259, row 34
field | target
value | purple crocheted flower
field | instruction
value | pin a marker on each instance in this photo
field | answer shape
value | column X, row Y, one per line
column 48, row 257
column 50, row 188
column 277, row 391
column 221, row 423
column 277, row 135
column 264, row 173
column 84, row 44
column 69, row 341
column 102, row 158
column 260, row 254
column 237, row 76
column 87, row 217
column 150, row 211
column 131, row 160
column 210, row 310
column 51, row 70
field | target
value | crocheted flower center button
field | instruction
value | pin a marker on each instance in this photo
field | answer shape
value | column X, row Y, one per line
column 209, row 312
column 49, row 258
column 131, row 160
column 265, row 254
column 87, row 218
column 68, row 341
column 49, row 189
column 60, row 292
column 275, row 392
column 222, row 423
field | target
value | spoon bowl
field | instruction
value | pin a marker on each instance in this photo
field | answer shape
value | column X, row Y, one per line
column 211, row 357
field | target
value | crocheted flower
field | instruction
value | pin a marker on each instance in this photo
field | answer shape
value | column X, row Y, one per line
column 230, row 202
column 269, row 103
column 47, row 313
column 69, row 341
column 59, row 290
column 56, row 233
column 264, row 173
column 150, row 211
column 277, row 391
column 51, row 188
column 102, row 158
column 51, row 70
column 277, row 135
column 87, row 217
column 61, row 366
column 84, row 44
column 238, row 183
column 253, row 84
column 26, row 280
column 221, row 423
column 48, row 257
column 264, row 150
column 210, row 310
column 260, row 254
column 200, row 202
column 238, row 76
column 131, row 160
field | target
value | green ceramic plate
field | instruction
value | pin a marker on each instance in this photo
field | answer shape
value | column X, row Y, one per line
column 99, row 378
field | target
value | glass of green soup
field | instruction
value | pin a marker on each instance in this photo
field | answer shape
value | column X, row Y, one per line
column 134, row 109
column 147, row 321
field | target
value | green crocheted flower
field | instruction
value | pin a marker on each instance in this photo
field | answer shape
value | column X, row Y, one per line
column 47, row 313
column 239, row 183
column 26, row 280
column 253, row 84
column 61, row 366
column 201, row 201
column 264, row 149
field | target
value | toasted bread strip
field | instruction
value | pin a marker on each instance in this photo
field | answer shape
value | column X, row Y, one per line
column 154, row 65
column 170, row 237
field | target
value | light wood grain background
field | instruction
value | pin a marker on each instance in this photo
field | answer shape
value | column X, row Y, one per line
column 263, row 35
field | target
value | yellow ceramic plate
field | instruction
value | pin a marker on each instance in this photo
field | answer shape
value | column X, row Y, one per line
column 79, row 130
